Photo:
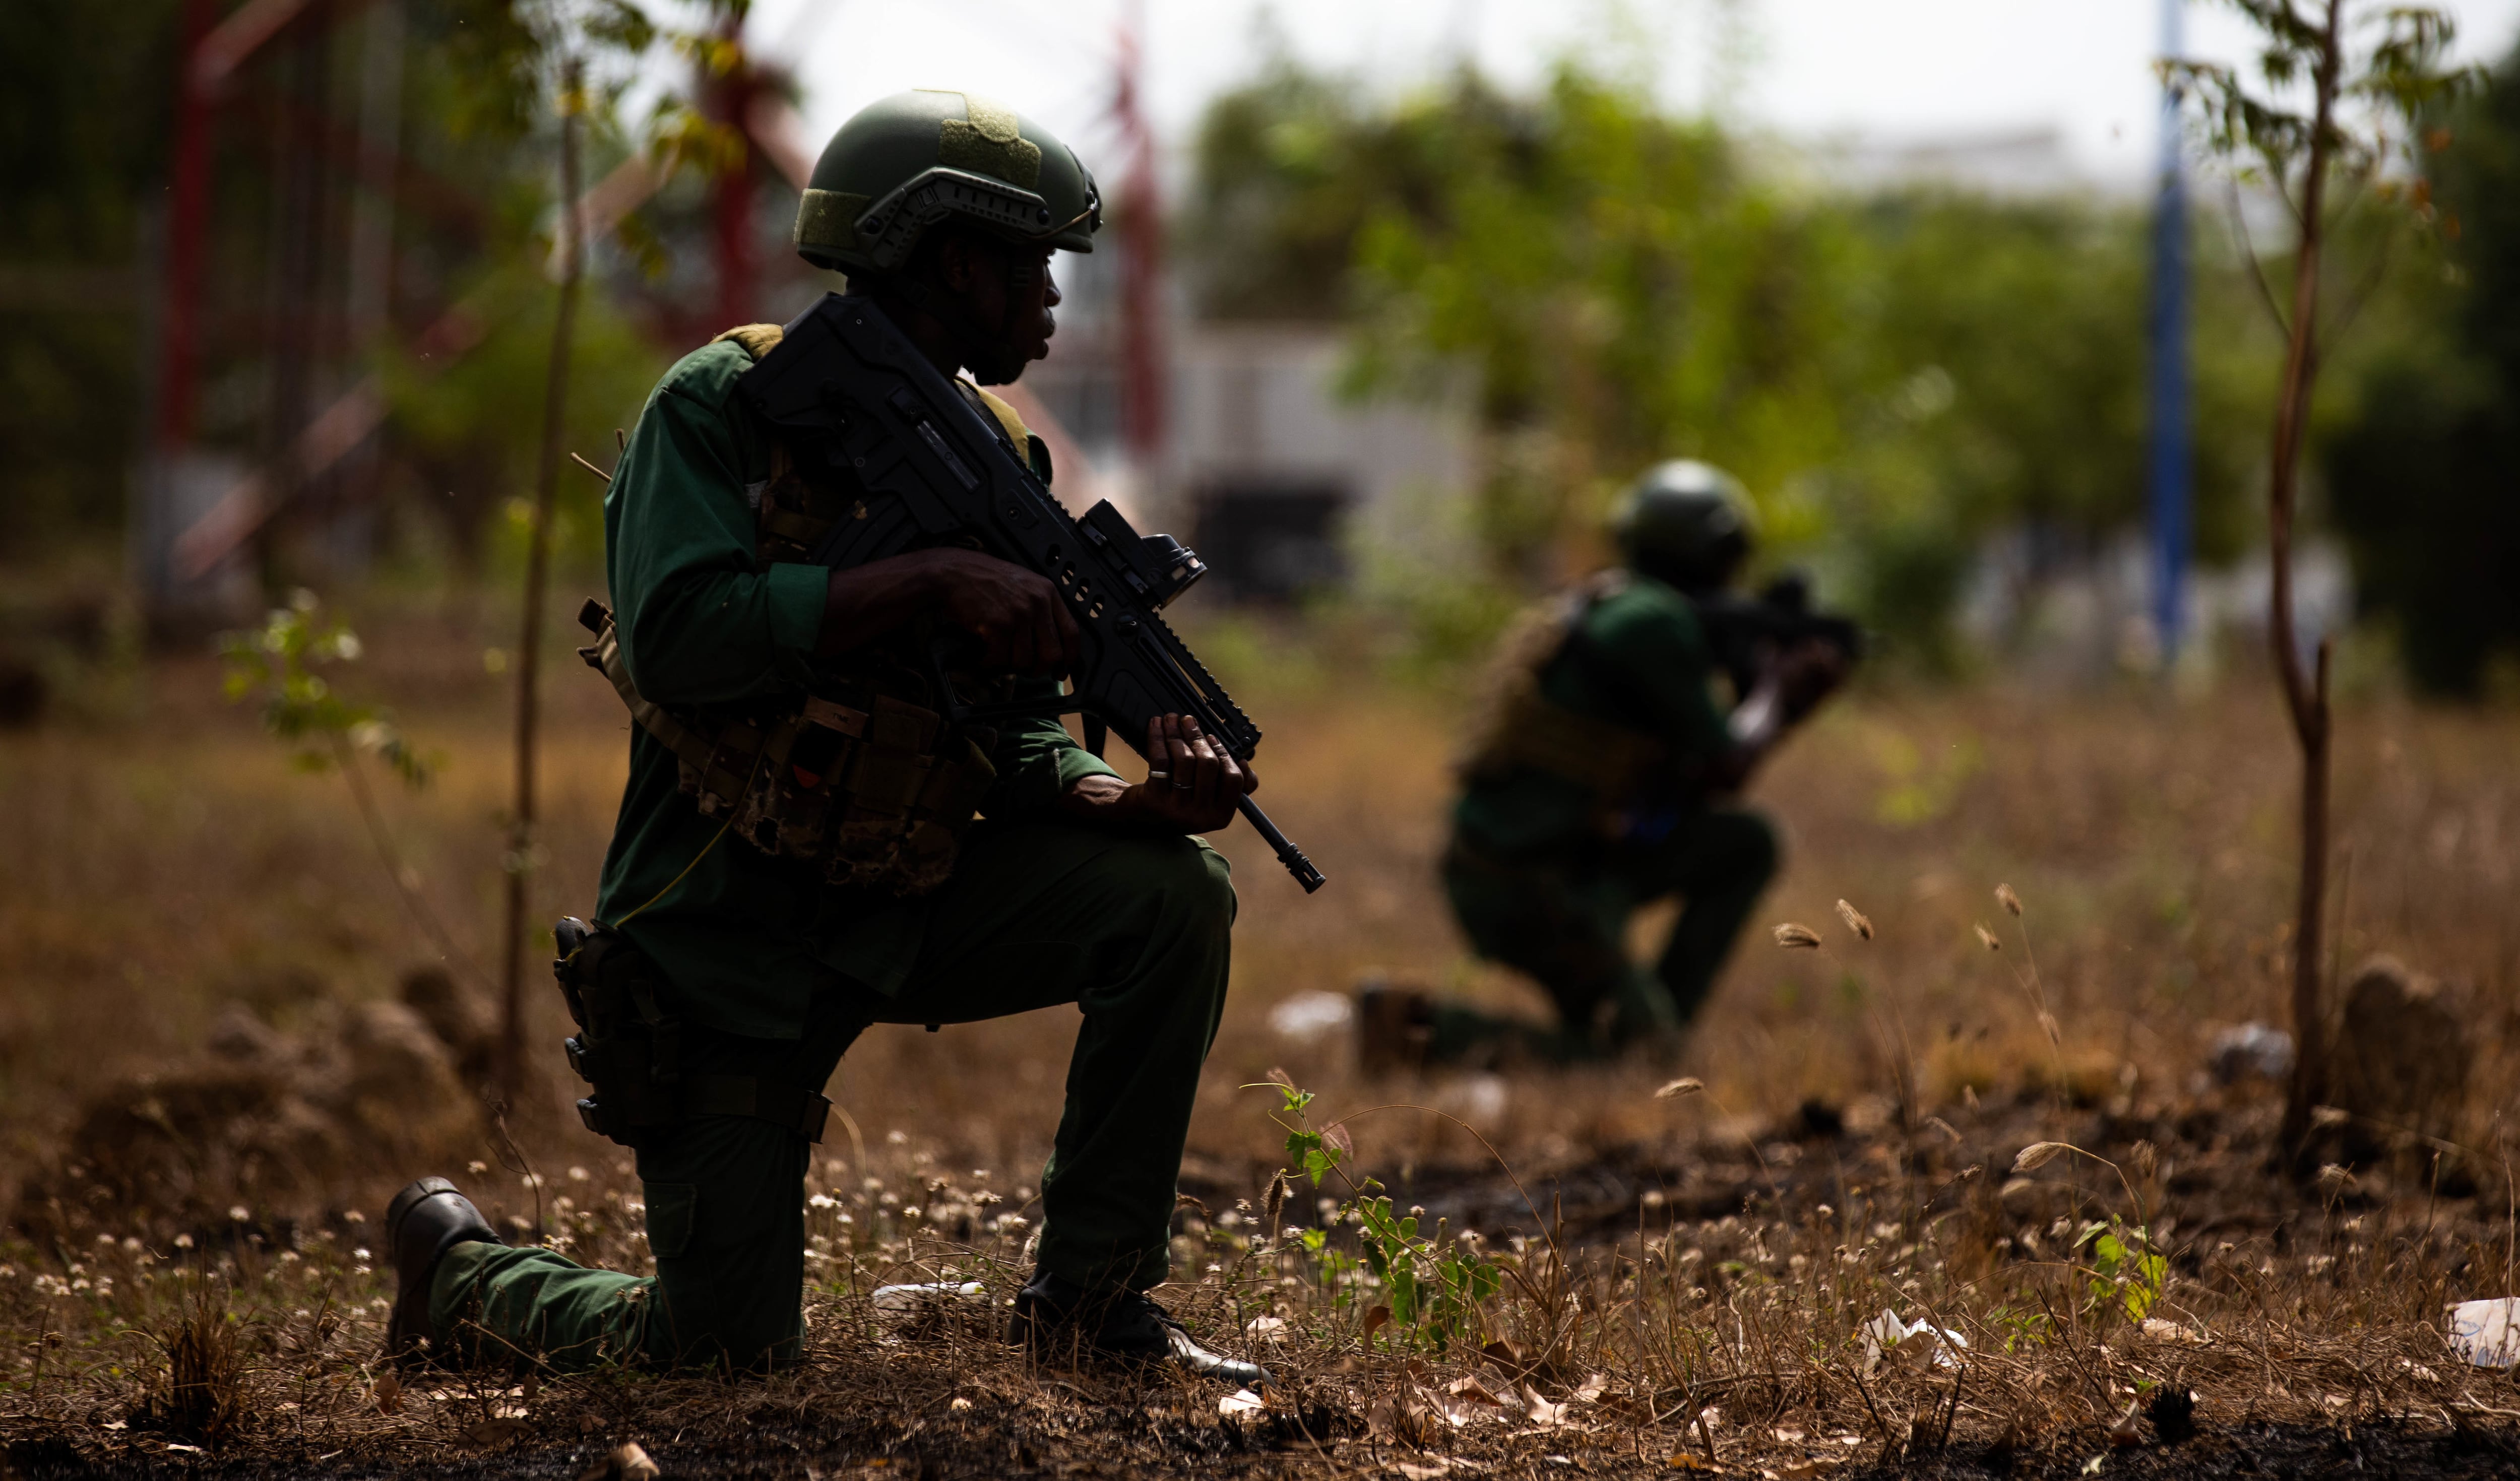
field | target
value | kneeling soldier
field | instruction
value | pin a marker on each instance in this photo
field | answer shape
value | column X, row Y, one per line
column 792, row 705
column 1603, row 779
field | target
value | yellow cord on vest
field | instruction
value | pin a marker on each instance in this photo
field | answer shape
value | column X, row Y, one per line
column 757, row 759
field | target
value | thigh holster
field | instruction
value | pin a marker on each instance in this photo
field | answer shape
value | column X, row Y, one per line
column 629, row 1049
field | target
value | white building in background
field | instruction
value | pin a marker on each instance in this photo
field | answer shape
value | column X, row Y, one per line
column 1282, row 484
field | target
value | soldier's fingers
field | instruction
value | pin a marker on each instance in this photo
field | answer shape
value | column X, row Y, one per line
column 1169, row 754
column 1053, row 635
column 1208, row 771
column 1021, row 654
column 1063, row 622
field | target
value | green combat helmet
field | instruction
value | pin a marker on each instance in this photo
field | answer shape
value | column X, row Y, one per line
column 912, row 161
column 1684, row 523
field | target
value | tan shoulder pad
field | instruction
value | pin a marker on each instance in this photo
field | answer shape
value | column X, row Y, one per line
column 757, row 339
column 1017, row 432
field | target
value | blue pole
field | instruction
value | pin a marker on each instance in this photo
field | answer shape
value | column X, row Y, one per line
column 2170, row 460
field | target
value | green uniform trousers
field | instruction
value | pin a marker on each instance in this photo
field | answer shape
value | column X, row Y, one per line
column 1564, row 920
column 1135, row 931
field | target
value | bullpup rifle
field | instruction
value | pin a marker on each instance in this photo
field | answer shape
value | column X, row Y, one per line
column 1744, row 633
column 844, row 385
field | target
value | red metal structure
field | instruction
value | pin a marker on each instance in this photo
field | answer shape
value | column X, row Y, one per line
column 1141, row 223
column 187, row 231
column 730, row 100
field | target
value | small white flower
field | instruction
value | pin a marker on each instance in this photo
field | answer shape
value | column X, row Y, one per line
column 577, row 1174
column 239, row 1212
column 821, row 1200
column 183, row 1241
column 361, row 1255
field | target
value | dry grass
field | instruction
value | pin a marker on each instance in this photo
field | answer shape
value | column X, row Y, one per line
column 1713, row 1256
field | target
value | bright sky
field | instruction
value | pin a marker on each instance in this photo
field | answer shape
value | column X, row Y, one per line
column 1889, row 70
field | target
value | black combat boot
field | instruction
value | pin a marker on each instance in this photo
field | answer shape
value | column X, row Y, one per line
column 1063, row 1320
column 425, row 1221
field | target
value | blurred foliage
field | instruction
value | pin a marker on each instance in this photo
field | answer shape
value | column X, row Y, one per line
column 277, row 665
column 85, row 148
column 2421, row 462
column 1895, row 374
column 87, row 118
column 471, row 429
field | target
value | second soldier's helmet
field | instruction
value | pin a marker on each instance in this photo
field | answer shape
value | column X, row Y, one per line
column 1685, row 522
column 906, row 163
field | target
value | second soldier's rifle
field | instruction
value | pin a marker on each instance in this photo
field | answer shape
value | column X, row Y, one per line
column 846, row 389
column 1744, row 633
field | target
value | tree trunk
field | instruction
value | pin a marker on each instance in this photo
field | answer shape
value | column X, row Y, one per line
column 2305, row 697
column 520, row 855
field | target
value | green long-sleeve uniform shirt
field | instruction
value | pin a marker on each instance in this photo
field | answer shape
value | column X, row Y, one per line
column 1636, row 659
column 743, row 936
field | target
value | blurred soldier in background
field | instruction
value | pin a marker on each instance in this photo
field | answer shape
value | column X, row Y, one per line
column 1600, row 780
column 724, row 977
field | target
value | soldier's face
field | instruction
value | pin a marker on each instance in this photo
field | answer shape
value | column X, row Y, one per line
column 1007, row 286
column 1030, row 322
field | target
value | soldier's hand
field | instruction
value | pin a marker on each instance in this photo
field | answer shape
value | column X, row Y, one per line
column 1022, row 626
column 1193, row 784
column 1806, row 674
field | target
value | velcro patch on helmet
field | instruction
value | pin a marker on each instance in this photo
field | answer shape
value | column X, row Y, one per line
column 829, row 219
column 990, row 143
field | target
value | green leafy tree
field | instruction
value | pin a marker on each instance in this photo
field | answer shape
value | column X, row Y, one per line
column 1897, row 375
column 2419, row 461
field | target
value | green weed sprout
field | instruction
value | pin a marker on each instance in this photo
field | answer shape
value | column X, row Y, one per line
column 1434, row 1296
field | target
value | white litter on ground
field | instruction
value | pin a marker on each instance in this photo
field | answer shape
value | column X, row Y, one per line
column 1311, row 1015
column 2486, row 1333
column 1887, row 1336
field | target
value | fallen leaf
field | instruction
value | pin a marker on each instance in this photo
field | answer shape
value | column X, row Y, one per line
column 1376, row 1319
column 187, row 1450
column 1686, row 1085
column 960, row 1405
column 496, row 1431
column 1541, row 1411
column 1426, row 1472
column 1401, row 1417
column 1466, row 1401
column 1688, row 1460
column 389, row 1392
column 1803, row 1470
column 1268, row 1329
column 1592, row 1390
